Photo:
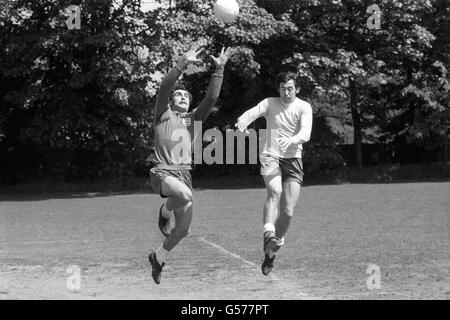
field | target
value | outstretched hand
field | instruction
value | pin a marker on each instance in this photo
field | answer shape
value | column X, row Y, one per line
column 242, row 127
column 285, row 143
column 222, row 59
column 190, row 57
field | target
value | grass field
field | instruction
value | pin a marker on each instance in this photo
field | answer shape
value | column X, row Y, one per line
column 337, row 232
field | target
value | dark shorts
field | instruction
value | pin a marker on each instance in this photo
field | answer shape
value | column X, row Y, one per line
column 291, row 168
column 157, row 176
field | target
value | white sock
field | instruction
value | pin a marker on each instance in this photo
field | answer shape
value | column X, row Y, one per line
column 166, row 213
column 161, row 254
column 269, row 227
column 282, row 241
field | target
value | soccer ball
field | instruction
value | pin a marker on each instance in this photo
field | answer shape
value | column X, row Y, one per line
column 147, row 5
column 226, row 10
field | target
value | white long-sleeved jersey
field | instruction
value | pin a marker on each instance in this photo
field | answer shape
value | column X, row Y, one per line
column 292, row 120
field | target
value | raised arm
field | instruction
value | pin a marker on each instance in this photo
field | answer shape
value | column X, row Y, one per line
column 251, row 115
column 204, row 108
column 167, row 84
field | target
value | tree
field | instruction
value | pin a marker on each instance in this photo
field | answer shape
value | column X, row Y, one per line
column 78, row 103
column 74, row 102
column 340, row 58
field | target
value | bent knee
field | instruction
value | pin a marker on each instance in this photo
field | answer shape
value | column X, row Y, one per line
column 182, row 232
column 274, row 194
column 288, row 212
column 185, row 197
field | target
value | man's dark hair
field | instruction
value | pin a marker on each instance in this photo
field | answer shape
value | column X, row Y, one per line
column 285, row 77
column 181, row 86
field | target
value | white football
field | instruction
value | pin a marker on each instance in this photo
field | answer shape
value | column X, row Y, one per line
column 226, row 10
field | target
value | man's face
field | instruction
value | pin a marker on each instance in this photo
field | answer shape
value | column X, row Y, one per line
column 180, row 100
column 288, row 91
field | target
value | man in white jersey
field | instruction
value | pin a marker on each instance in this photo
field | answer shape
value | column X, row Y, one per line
column 289, row 122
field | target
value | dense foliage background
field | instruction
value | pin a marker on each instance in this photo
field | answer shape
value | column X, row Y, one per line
column 77, row 104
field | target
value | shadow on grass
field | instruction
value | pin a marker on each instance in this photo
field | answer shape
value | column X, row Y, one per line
column 45, row 191
column 35, row 191
column 62, row 195
column 141, row 185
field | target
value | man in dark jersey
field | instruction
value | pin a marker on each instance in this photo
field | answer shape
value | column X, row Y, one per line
column 174, row 135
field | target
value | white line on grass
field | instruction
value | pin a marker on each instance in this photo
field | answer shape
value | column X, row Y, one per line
column 234, row 255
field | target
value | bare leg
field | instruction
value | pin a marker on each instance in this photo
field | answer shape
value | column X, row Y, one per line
column 183, row 219
column 289, row 197
column 274, row 191
column 180, row 201
column 178, row 193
